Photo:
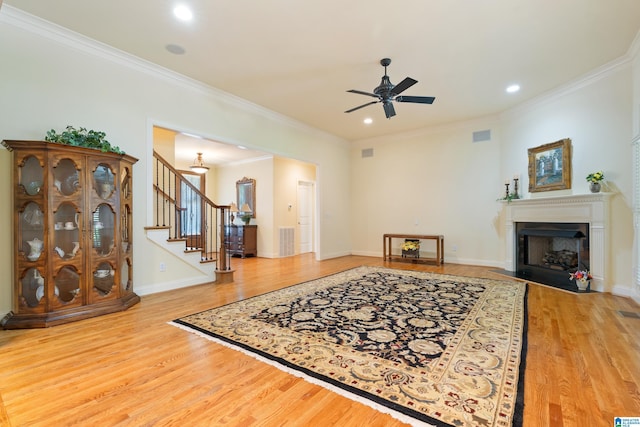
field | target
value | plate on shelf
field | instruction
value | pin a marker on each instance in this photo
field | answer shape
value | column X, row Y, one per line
column 102, row 273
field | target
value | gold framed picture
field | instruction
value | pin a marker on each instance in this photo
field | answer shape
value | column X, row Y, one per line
column 550, row 166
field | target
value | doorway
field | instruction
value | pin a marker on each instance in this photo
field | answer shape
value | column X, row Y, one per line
column 306, row 209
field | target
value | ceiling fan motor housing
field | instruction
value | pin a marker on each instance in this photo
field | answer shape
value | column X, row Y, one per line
column 385, row 88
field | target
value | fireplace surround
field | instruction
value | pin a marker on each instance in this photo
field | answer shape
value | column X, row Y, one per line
column 547, row 252
column 586, row 214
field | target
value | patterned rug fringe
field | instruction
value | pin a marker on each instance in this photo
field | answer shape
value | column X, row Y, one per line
column 380, row 408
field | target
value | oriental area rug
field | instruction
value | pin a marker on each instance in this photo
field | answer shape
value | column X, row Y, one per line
column 428, row 349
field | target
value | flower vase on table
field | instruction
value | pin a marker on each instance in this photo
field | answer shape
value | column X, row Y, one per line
column 411, row 248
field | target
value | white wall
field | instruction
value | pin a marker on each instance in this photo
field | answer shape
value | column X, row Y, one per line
column 56, row 79
column 435, row 181
column 287, row 174
column 262, row 172
column 635, row 117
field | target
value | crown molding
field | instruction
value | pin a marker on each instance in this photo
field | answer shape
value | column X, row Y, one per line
column 634, row 49
column 61, row 35
column 561, row 91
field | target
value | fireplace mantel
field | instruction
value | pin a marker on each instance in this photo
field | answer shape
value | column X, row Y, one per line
column 587, row 208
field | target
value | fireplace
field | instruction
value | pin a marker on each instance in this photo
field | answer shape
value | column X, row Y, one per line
column 567, row 215
column 546, row 252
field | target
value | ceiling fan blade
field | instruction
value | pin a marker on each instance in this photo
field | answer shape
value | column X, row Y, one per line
column 416, row 99
column 363, row 93
column 361, row 106
column 403, row 85
column 389, row 111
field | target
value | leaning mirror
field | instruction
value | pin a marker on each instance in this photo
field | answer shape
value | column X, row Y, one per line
column 246, row 194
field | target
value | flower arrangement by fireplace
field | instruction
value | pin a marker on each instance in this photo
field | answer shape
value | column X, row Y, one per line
column 582, row 278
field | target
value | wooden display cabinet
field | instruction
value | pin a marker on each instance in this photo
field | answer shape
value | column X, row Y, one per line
column 72, row 234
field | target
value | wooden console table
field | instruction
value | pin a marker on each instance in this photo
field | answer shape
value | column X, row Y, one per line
column 386, row 246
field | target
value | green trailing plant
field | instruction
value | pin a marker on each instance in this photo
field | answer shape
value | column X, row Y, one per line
column 509, row 198
column 82, row 137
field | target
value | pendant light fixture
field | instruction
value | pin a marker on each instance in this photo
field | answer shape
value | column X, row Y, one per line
column 198, row 165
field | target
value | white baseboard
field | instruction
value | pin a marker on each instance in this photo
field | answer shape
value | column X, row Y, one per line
column 153, row 288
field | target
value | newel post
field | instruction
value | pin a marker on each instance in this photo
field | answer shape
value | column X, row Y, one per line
column 224, row 273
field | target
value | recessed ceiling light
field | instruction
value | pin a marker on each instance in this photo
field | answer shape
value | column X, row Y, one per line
column 242, row 147
column 175, row 49
column 183, row 13
column 368, row 121
column 513, row 88
column 192, row 135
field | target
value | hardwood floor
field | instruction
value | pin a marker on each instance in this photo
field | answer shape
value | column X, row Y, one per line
column 133, row 369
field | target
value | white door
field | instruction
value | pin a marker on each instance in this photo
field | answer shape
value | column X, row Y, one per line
column 305, row 215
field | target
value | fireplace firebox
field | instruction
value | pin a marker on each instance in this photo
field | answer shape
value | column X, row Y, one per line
column 547, row 252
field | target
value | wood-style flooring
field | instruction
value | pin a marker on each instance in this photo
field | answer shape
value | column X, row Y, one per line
column 133, row 369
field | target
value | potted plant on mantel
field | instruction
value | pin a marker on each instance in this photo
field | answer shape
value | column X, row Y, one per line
column 594, row 180
column 82, row 137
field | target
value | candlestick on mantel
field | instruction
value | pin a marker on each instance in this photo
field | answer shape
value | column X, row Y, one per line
column 515, row 188
column 506, row 190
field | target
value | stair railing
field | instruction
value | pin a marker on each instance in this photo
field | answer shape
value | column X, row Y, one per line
column 189, row 214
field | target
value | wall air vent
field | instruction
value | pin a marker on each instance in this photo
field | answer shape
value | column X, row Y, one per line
column 482, row 135
column 367, row 152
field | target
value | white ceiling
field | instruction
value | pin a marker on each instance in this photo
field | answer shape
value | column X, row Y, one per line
column 299, row 57
column 213, row 152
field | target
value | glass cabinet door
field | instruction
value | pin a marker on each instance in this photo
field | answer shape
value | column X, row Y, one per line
column 125, row 275
column 31, row 174
column 66, row 231
column 102, row 229
column 67, row 284
column 33, row 290
column 103, row 278
column 65, row 177
column 32, row 231
column 103, row 181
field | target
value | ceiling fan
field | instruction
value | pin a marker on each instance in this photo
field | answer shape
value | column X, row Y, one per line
column 388, row 92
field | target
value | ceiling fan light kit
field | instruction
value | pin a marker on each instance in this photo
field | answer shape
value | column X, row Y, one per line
column 387, row 92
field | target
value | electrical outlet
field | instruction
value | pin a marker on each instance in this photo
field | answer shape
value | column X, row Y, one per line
column 454, row 248
column 163, row 267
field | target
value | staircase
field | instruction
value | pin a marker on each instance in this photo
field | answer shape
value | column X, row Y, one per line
column 188, row 224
